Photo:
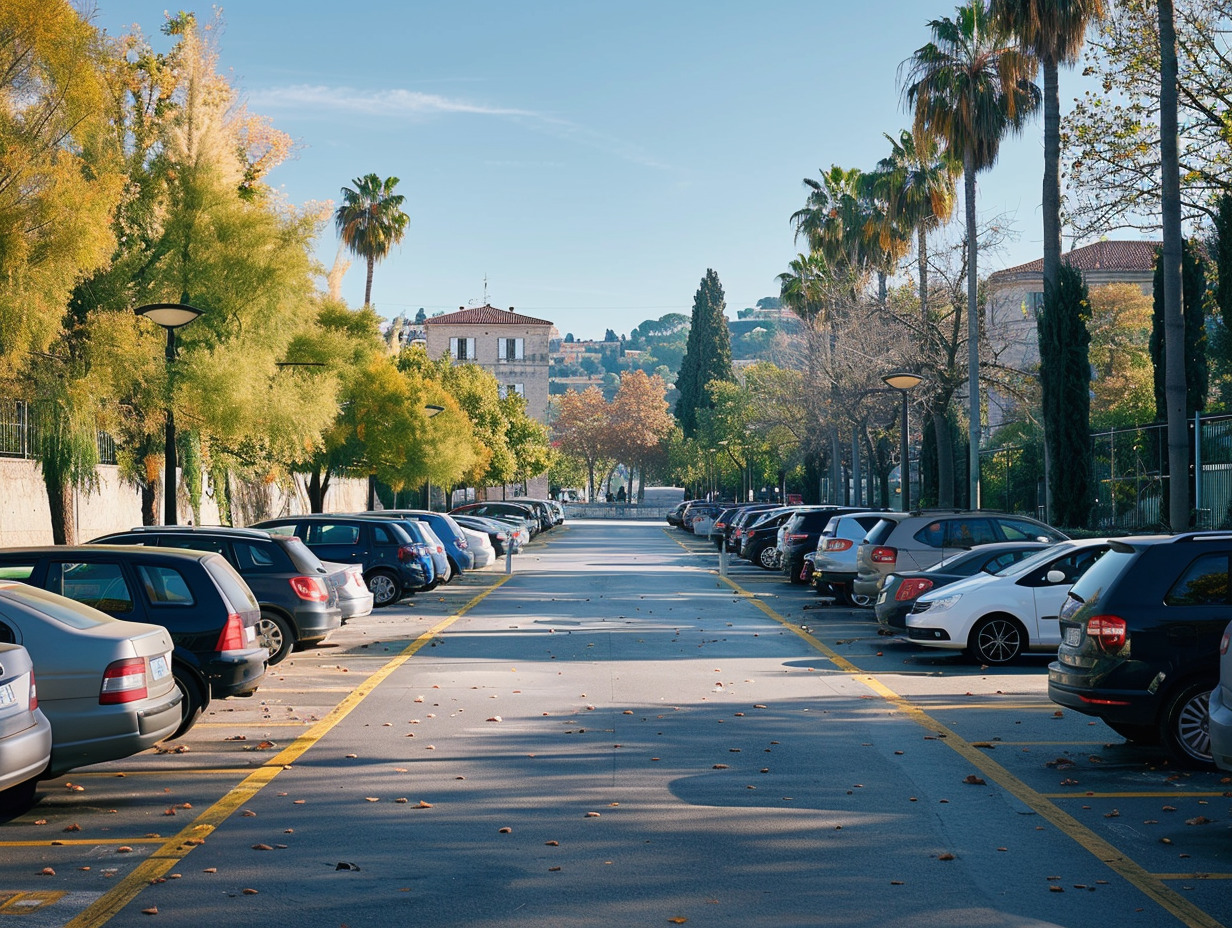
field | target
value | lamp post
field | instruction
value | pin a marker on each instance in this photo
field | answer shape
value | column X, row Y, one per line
column 170, row 316
column 903, row 381
column 432, row 410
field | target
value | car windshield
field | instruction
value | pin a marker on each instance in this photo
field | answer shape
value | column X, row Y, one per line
column 1027, row 564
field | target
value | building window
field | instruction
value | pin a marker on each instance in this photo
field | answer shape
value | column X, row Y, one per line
column 1033, row 305
column 462, row 349
column 510, row 388
column 509, row 349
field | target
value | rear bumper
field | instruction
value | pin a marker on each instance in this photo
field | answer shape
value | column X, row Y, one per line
column 92, row 734
column 1076, row 690
column 236, row 673
column 865, row 586
column 1221, row 727
column 315, row 624
column 354, row 606
column 26, row 753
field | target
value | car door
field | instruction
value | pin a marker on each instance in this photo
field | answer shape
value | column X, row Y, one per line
column 337, row 541
column 1050, row 596
column 1197, row 610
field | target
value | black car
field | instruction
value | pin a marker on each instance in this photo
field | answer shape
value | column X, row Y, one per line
column 196, row 595
column 1140, row 635
column 392, row 568
column 298, row 606
column 500, row 509
column 900, row 591
column 498, row 532
column 757, row 544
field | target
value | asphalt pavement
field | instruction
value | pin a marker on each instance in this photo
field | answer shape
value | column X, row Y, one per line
column 616, row 735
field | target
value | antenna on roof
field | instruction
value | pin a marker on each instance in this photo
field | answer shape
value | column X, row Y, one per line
column 485, row 289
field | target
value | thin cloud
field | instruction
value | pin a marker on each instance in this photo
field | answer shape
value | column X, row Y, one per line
column 399, row 103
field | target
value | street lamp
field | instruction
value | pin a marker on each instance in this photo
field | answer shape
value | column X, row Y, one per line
column 170, row 316
column 903, row 381
column 432, row 410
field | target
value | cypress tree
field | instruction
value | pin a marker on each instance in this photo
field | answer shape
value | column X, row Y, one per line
column 1222, row 246
column 707, row 354
column 1193, row 293
column 1065, row 377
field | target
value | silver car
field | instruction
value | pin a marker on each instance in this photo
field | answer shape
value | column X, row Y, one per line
column 1220, row 724
column 25, row 733
column 105, row 684
column 354, row 597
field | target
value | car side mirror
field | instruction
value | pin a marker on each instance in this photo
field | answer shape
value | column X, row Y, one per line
column 1056, row 576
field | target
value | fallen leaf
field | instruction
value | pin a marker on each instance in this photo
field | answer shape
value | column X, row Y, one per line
column 506, row 830
column 1199, row 820
column 553, row 869
column 152, row 910
column 124, row 849
column 946, row 856
column 972, row 779
column 249, row 892
column 552, row 843
column 262, row 847
column 47, row 871
column 344, row 865
column 372, row 799
column 678, row 920
column 73, row 827
column 210, row 870
column 423, row 805
column 593, row 814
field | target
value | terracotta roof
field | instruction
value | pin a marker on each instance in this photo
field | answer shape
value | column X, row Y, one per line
column 1098, row 256
column 485, row 315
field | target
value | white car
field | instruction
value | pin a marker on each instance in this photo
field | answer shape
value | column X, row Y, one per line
column 996, row 617
column 480, row 547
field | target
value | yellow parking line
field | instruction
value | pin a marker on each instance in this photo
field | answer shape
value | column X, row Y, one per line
column 1149, row 884
column 174, row 850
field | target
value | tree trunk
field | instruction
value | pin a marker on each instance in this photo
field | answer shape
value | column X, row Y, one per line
column 973, row 328
column 1174, row 322
column 368, row 282
column 922, row 257
column 318, row 486
column 945, row 459
column 1051, row 201
column 149, row 500
column 60, row 499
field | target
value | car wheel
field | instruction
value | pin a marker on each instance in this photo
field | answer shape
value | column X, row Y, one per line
column 275, row 635
column 1139, row 734
column 858, row 600
column 1185, row 724
column 385, row 588
column 766, row 558
column 193, row 698
column 997, row 639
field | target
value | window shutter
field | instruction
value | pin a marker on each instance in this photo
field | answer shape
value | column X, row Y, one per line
column 517, row 349
column 453, row 348
column 470, row 349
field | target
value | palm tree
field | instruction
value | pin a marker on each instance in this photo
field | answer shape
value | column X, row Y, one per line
column 833, row 220
column 370, row 221
column 1052, row 31
column 969, row 87
column 802, row 286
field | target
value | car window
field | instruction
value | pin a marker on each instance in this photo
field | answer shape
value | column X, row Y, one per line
column 325, row 533
column 258, row 558
column 49, row 604
column 932, row 534
column 193, row 543
column 11, row 571
column 288, row 529
column 1076, row 564
column 1019, row 530
column 6, row 634
column 1102, row 573
column 998, row 561
column 1203, row 583
column 967, row 533
column 235, row 591
column 164, row 585
column 880, row 532
column 99, row 585
column 381, row 536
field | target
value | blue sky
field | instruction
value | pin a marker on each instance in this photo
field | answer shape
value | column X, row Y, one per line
column 591, row 159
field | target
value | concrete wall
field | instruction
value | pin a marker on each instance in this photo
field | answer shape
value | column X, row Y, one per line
column 25, row 518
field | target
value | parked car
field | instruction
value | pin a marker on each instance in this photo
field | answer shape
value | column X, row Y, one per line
column 483, row 554
column 759, row 542
column 834, row 560
column 740, row 520
column 921, row 539
column 195, row 595
column 899, row 591
column 500, row 534
column 450, row 534
column 542, row 508
column 106, row 685
column 998, row 617
column 1220, row 727
column 392, row 568
column 499, row 509
column 354, row 597
column 429, row 550
column 676, row 515
column 25, row 733
column 1141, row 634
column 801, row 534
column 298, row 606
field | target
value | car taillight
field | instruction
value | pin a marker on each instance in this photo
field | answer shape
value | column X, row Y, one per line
column 124, row 681
column 313, row 589
column 406, row 553
column 232, row 636
column 1108, row 630
column 910, row 589
column 837, row 544
column 794, row 539
column 882, row 555
column 1223, row 645
column 34, row 691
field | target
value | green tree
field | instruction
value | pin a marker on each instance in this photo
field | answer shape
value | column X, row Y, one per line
column 1120, row 327
column 970, row 87
column 370, row 221
column 1065, row 378
column 1196, row 375
column 707, row 353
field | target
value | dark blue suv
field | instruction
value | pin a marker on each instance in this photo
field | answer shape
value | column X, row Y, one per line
column 393, row 567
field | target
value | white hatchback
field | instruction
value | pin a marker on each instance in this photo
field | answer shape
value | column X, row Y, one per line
column 997, row 617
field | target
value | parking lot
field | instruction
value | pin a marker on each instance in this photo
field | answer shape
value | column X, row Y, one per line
column 616, row 735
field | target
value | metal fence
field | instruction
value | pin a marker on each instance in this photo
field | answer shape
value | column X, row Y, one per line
column 1129, row 475
column 19, row 428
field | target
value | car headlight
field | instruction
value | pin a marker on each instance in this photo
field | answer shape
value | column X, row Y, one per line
column 946, row 602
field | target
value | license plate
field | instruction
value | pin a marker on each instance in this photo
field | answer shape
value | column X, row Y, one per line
column 7, row 696
column 158, row 667
column 1073, row 636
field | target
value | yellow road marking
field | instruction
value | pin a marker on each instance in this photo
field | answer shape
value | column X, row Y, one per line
column 1174, row 794
column 1193, row 876
column 1149, row 884
column 174, row 850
